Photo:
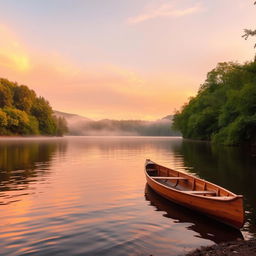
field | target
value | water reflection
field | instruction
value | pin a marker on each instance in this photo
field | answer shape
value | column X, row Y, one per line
column 202, row 226
column 23, row 162
column 230, row 167
column 85, row 196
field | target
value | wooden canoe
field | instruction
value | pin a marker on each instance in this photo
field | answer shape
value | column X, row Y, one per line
column 196, row 194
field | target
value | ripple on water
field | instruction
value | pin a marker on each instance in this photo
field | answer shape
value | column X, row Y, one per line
column 86, row 196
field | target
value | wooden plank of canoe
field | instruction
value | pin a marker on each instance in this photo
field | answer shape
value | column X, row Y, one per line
column 168, row 178
column 224, row 205
column 197, row 192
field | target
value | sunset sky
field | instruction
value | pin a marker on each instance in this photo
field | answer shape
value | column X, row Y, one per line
column 120, row 59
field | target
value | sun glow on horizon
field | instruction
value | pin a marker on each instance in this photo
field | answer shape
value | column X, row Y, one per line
column 144, row 68
column 12, row 55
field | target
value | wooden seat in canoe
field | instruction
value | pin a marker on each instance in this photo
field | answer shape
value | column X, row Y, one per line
column 203, row 192
column 169, row 178
column 195, row 193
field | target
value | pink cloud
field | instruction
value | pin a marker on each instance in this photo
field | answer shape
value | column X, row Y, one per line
column 163, row 10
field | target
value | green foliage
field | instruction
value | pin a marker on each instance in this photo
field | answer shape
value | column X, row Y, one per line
column 224, row 109
column 33, row 127
column 44, row 114
column 23, row 98
column 23, row 113
column 3, row 119
column 17, row 120
column 5, row 96
column 3, row 122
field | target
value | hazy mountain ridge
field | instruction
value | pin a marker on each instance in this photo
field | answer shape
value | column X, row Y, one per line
column 79, row 125
column 69, row 115
column 169, row 117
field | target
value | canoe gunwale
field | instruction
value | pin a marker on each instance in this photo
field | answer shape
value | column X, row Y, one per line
column 230, row 198
column 227, row 209
column 215, row 198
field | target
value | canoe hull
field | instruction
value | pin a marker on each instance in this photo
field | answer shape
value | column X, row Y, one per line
column 229, row 211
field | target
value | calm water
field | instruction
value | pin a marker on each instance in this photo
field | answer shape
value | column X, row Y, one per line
column 88, row 196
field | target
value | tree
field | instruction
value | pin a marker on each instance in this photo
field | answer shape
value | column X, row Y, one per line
column 249, row 33
column 5, row 96
column 33, row 127
column 23, row 113
column 17, row 120
column 23, row 98
column 3, row 119
column 44, row 114
column 224, row 109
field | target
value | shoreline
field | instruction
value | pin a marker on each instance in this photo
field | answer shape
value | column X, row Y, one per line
column 238, row 247
column 18, row 137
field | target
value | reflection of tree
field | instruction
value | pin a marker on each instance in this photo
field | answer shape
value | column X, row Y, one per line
column 230, row 167
column 203, row 227
column 22, row 162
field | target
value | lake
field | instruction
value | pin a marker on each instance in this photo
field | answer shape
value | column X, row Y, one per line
column 88, row 195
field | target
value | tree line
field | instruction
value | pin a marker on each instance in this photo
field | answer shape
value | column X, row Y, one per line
column 22, row 112
column 224, row 109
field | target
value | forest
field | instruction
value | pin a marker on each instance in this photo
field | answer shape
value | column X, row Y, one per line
column 224, row 109
column 22, row 112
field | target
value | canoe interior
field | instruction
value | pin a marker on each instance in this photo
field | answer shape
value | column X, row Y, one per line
column 185, row 182
column 197, row 194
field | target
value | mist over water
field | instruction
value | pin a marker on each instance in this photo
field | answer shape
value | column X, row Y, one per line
column 79, row 125
column 88, row 196
column 123, row 128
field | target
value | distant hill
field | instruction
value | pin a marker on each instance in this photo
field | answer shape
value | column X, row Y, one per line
column 169, row 117
column 75, row 122
column 70, row 116
column 79, row 125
